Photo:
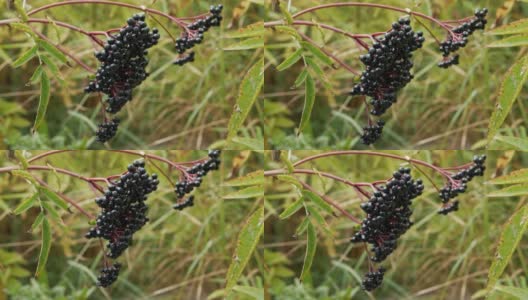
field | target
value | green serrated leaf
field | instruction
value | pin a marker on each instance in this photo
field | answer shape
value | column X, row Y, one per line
column 511, row 191
column 249, row 192
column 292, row 208
column 509, row 240
column 290, row 60
column 516, row 27
column 289, row 179
column 26, row 204
column 51, row 195
column 518, row 176
column 301, row 78
column 509, row 91
column 311, row 246
column 249, row 90
column 253, row 178
column 318, row 201
column 53, row 51
column 314, row 213
column 37, row 222
column 44, row 100
column 51, row 211
column 302, row 227
column 45, row 246
column 317, row 52
column 51, row 65
column 513, row 41
column 36, row 75
column 309, row 100
column 255, row 29
column 25, row 57
column 23, row 161
column 247, row 242
column 251, row 43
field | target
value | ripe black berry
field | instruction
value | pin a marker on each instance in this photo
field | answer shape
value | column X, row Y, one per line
column 388, row 65
column 194, row 179
column 373, row 280
column 372, row 133
column 450, row 190
column 123, row 208
column 388, row 214
column 449, row 207
column 107, row 130
column 108, row 275
column 460, row 38
column 194, row 34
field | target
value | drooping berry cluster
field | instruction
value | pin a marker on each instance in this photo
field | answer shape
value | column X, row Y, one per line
column 123, row 62
column 373, row 279
column 123, row 208
column 194, row 177
column 372, row 133
column 108, row 275
column 194, row 34
column 460, row 39
column 388, row 65
column 107, row 130
column 450, row 191
column 388, row 217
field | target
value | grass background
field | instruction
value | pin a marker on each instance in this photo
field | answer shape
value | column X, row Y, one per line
column 440, row 257
column 439, row 109
column 175, row 108
column 177, row 255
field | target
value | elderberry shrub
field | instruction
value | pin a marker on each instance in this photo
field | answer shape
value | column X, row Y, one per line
column 449, row 191
column 194, row 34
column 108, row 275
column 388, row 65
column 107, row 130
column 453, row 43
column 196, row 172
column 123, row 208
column 373, row 280
column 123, row 62
column 372, row 133
column 388, row 214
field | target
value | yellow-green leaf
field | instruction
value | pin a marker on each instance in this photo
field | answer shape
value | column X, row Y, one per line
column 252, row 178
column 25, row 175
column 37, row 222
column 301, row 78
column 286, row 13
column 20, row 156
column 290, row 60
column 288, row 30
column 292, row 208
column 53, row 51
column 51, row 195
column 309, row 100
column 45, row 246
column 518, row 293
column 251, row 43
column 518, row 176
column 317, row 52
column 36, row 75
column 249, row 192
column 26, row 204
column 20, row 10
column 44, row 100
column 249, row 90
column 255, row 29
column 51, row 65
column 247, row 242
column 25, row 57
column 513, row 41
column 516, row 27
column 25, row 28
column 289, row 179
column 509, row 240
column 511, row 191
column 514, row 143
column 318, row 201
column 508, row 93
column 302, row 227
column 311, row 245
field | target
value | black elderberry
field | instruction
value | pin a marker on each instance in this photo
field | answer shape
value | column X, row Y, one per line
column 107, row 130
column 388, row 214
column 108, row 275
column 194, row 179
column 373, row 279
column 459, row 37
column 388, row 65
column 371, row 133
column 123, row 208
column 194, row 34
column 449, row 207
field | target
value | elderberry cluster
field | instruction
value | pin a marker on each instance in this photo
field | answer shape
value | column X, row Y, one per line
column 194, row 180
column 464, row 176
column 194, row 34
column 388, row 217
column 373, row 280
column 123, row 208
column 107, row 130
column 123, row 62
column 388, row 65
column 108, row 275
column 372, row 133
column 460, row 40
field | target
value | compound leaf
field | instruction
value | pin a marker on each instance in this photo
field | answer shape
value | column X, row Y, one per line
column 45, row 246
